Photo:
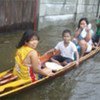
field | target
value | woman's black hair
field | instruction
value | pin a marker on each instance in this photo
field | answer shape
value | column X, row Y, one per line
column 66, row 31
column 85, row 19
column 26, row 37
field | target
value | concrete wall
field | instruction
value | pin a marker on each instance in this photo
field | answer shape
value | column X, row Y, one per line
column 87, row 8
column 61, row 12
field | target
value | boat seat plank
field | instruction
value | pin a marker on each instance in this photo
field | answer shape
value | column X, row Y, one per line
column 13, row 84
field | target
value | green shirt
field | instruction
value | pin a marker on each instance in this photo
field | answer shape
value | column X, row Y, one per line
column 98, row 26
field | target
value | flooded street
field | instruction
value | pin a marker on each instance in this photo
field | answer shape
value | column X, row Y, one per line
column 82, row 83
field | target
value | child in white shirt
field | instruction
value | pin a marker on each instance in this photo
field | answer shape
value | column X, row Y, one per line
column 67, row 50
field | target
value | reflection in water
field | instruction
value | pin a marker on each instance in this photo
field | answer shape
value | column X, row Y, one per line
column 82, row 83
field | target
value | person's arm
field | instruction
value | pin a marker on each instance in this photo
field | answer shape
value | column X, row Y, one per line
column 76, row 53
column 77, row 32
column 89, row 35
column 55, row 61
column 53, row 50
column 35, row 64
column 77, row 58
column 50, row 51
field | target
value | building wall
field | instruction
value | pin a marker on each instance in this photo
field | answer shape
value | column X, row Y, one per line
column 16, row 13
column 61, row 12
column 22, row 14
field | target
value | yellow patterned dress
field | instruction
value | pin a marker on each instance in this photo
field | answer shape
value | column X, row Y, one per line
column 21, row 70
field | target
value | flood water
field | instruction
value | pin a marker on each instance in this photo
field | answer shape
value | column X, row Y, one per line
column 82, row 83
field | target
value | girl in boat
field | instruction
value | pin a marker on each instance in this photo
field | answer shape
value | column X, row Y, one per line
column 67, row 50
column 27, row 63
column 83, row 36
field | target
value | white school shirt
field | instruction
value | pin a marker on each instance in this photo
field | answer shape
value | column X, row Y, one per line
column 68, row 51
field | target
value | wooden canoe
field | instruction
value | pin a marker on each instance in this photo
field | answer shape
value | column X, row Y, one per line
column 18, row 85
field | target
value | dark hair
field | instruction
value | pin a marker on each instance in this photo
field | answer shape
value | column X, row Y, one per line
column 26, row 37
column 66, row 31
column 85, row 19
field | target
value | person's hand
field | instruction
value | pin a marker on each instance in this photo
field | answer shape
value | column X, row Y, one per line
column 87, row 29
column 47, row 52
column 51, row 74
column 77, row 63
column 50, row 51
column 48, row 71
column 75, row 41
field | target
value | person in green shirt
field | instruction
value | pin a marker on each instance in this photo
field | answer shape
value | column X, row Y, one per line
column 96, row 38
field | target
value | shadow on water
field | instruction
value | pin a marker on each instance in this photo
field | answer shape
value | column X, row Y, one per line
column 72, row 86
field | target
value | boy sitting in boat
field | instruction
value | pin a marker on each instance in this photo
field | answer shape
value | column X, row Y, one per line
column 96, row 37
column 27, row 63
column 67, row 50
column 83, row 36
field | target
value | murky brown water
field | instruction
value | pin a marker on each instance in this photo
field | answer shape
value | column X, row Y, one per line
column 82, row 83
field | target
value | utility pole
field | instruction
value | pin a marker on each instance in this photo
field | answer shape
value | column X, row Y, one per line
column 75, row 15
column 35, row 19
column 97, row 14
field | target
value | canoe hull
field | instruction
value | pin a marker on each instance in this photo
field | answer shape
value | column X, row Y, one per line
column 57, row 74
